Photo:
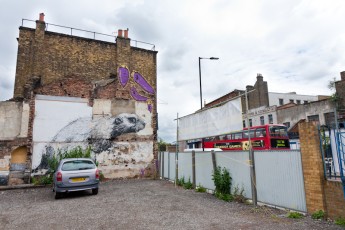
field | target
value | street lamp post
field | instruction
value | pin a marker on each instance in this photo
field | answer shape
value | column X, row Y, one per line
column 210, row 58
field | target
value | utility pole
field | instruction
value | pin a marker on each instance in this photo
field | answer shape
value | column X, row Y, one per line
column 251, row 158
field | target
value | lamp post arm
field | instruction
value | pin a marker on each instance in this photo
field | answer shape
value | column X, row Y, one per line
column 200, row 82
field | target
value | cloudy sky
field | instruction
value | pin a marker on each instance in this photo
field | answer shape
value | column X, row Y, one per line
column 297, row 45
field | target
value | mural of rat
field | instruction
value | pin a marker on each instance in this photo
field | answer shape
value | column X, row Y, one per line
column 97, row 133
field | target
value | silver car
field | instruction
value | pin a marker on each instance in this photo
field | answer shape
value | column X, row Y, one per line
column 75, row 174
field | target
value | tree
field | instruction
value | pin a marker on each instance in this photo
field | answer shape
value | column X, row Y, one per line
column 162, row 145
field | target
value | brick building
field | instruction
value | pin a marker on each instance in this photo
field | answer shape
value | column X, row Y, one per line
column 64, row 79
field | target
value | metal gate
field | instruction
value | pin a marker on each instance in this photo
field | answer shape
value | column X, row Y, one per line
column 341, row 153
column 332, row 145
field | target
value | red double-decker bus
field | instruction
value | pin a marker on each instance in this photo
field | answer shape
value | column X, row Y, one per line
column 262, row 137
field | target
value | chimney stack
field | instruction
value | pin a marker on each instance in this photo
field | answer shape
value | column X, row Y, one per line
column 126, row 33
column 119, row 33
column 41, row 17
column 342, row 75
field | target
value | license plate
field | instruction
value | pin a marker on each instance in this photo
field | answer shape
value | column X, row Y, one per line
column 79, row 179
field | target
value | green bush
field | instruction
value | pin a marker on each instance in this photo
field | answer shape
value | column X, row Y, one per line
column 222, row 181
column 200, row 188
column 42, row 180
column 318, row 215
column 76, row 152
column 188, row 184
column 340, row 221
column 225, row 197
column 295, row 215
column 180, row 182
column 185, row 184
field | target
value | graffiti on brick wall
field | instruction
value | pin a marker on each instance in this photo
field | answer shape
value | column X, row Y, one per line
column 124, row 78
column 98, row 133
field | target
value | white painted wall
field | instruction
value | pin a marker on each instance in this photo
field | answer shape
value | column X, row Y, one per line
column 54, row 113
column 51, row 115
column 274, row 98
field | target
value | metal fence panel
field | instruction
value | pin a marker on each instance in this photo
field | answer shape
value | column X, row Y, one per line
column 172, row 166
column 237, row 164
column 185, row 166
column 166, row 164
column 204, row 169
column 279, row 179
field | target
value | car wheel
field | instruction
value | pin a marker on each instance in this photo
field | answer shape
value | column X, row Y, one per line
column 95, row 191
column 58, row 195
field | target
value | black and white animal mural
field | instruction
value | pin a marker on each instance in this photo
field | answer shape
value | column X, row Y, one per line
column 97, row 133
column 106, row 135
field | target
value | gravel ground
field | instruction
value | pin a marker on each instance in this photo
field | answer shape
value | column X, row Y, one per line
column 139, row 204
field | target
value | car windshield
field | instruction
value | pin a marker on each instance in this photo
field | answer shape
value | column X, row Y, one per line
column 77, row 165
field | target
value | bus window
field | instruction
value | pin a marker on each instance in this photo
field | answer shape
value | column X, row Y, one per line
column 245, row 134
column 278, row 131
column 222, row 137
column 228, row 137
column 260, row 132
column 237, row 136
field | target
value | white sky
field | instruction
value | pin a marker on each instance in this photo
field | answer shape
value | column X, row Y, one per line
column 297, row 45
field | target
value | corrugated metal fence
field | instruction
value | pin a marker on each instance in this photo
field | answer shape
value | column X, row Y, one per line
column 279, row 176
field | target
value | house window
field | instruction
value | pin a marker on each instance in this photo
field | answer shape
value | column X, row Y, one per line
column 281, row 101
column 314, row 118
column 305, row 102
column 329, row 119
column 270, row 119
column 244, row 123
column 250, row 122
column 262, row 120
column 291, row 101
column 298, row 102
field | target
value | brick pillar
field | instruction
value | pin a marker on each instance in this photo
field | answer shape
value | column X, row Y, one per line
column 312, row 167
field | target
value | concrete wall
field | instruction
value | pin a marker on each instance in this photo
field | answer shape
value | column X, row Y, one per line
column 296, row 113
column 14, row 118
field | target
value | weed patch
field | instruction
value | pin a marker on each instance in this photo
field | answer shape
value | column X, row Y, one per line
column 340, row 221
column 318, row 215
column 200, row 188
column 295, row 215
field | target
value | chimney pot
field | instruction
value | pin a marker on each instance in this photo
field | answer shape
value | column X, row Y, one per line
column 126, row 33
column 119, row 33
column 41, row 17
column 259, row 77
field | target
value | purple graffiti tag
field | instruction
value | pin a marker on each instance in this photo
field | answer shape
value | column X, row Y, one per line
column 136, row 95
column 143, row 83
column 149, row 107
column 123, row 74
